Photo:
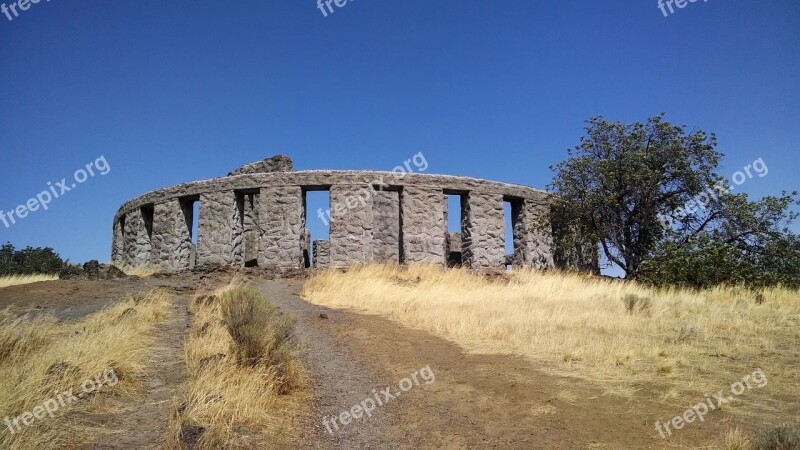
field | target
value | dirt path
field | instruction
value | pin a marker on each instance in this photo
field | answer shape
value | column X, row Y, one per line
column 476, row 401
column 142, row 423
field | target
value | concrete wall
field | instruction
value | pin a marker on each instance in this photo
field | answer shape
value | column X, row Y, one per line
column 351, row 225
column 386, row 232
column 532, row 246
column 282, row 225
column 217, row 228
column 136, row 242
column 261, row 217
column 483, row 238
column 172, row 246
column 322, row 253
column 424, row 226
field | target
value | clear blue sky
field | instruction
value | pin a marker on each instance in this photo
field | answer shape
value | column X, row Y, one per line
column 173, row 91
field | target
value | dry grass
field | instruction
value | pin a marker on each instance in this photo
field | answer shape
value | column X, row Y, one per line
column 245, row 387
column 140, row 271
column 14, row 280
column 677, row 344
column 40, row 356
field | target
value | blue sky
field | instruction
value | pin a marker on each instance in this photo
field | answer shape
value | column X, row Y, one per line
column 175, row 91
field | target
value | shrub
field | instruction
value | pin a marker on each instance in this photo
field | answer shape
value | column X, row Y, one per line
column 685, row 333
column 781, row 437
column 262, row 335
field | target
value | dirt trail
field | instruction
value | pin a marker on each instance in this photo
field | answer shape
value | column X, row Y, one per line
column 476, row 401
column 141, row 424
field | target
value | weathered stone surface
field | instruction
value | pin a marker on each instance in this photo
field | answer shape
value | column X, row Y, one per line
column 136, row 240
column 453, row 249
column 483, row 237
column 305, row 245
column 282, row 223
column 277, row 163
column 322, row 253
column 216, row 228
column 172, row 246
column 247, row 233
column 261, row 217
column 118, row 243
column 351, row 225
column 386, row 232
column 424, row 227
column 532, row 247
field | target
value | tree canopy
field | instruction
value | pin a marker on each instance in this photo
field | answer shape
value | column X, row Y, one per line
column 650, row 196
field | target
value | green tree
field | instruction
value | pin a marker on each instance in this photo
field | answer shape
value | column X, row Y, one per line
column 650, row 196
column 29, row 260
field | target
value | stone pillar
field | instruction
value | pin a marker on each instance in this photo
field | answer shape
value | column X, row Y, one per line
column 386, row 233
column 351, row 225
column 172, row 239
column 533, row 246
column 483, row 236
column 322, row 253
column 117, row 243
column 423, row 225
column 247, row 234
column 281, row 220
column 136, row 240
column 216, row 230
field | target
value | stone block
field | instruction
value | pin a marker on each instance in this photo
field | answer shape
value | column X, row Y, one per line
column 533, row 247
column 322, row 253
column 351, row 229
column 282, row 221
column 172, row 236
column 277, row 163
column 386, row 232
column 136, row 240
column 424, row 227
column 217, row 229
column 483, row 233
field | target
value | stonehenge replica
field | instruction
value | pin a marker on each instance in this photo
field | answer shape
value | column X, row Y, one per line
column 256, row 217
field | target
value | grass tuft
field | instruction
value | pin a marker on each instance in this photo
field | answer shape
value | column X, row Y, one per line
column 246, row 386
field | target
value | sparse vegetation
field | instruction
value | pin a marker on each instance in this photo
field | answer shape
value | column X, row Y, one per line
column 40, row 356
column 690, row 342
column 245, row 387
column 14, row 280
column 781, row 437
column 140, row 271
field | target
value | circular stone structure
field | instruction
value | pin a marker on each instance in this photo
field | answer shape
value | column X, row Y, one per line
column 256, row 217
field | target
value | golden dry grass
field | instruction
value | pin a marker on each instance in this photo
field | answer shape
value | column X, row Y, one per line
column 14, row 280
column 237, row 405
column 140, row 271
column 680, row 343
column 40, row 357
